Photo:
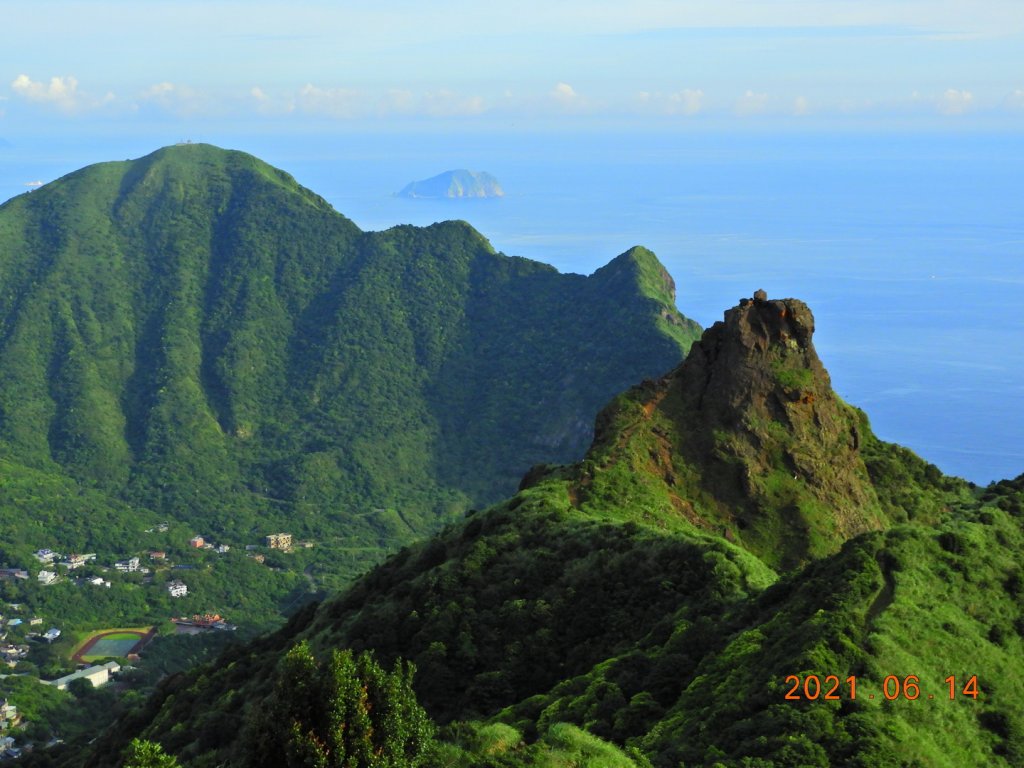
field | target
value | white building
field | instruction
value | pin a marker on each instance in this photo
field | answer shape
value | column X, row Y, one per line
column 97, row 675
column 47, row 577
column 131, row 565
column 177, row 589
column 77, row 561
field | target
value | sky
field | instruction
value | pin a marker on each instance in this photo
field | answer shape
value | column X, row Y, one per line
column 131, row 64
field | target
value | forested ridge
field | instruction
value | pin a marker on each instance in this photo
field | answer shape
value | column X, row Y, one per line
column 193, row 337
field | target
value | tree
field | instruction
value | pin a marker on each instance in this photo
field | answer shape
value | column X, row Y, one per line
column 148, row 754
column 345, row 712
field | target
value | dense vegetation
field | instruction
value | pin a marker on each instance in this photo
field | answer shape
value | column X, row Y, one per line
column 616, row 609
column 194, row 337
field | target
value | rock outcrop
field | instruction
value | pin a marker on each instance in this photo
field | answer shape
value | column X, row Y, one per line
column 749, row 438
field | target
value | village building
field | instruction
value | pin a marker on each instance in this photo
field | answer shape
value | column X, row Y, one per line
column 97, row 675
column 279, row 541
column 131, row 565
column 76, row 561
column 9, row 716
column 7, row 748
column 12, row 654
column 177, row 589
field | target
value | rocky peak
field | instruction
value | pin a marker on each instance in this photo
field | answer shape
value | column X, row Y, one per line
column 749, row 420
column 760, row 358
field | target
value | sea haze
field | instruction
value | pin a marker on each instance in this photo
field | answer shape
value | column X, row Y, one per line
column 908, row 247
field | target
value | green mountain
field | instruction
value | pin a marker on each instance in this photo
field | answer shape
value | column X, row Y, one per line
column 677, row 602
column 459, row 183
column 196, row 335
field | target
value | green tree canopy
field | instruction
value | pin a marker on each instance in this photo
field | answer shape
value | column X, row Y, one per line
column 148, row 754
column 343, row 712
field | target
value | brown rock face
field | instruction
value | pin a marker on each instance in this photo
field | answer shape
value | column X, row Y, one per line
column 746, row 437
column 737, row 362
column 774, row 444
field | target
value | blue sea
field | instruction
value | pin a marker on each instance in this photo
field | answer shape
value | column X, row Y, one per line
column 909, row 247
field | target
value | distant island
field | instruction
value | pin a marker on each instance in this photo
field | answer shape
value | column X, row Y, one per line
column 459, row 183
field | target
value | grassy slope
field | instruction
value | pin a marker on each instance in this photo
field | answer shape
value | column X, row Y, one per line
column 669, row 639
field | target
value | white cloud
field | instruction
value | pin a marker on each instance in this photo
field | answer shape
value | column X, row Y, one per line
column 689, row 101
column 686, row 102
column 399, row 101
column 180, row 100
column 350, row 103
column 333, row 102
column 567, row 99
column 564, row 94
column 440, row 103
column 955, row 102
column 445, row 103
column 801, row 106
column 266, row 105
column 1015, row 100
column 61, row 93
column 751, row 103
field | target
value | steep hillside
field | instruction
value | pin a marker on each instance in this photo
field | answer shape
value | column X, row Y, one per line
column 195, row 333
column 620, row 595
column 747, row 440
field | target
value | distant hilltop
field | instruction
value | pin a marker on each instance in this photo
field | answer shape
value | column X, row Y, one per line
column 460, row 183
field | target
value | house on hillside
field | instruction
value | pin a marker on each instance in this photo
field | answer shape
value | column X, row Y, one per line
column 196, row 542
column 76, row 561
column 9, row 716
column 51, row 634
column 279, row 541
column 177, row 589
column 12, row 654
column 7, row 748
column 131, row 565
column 47, row 577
